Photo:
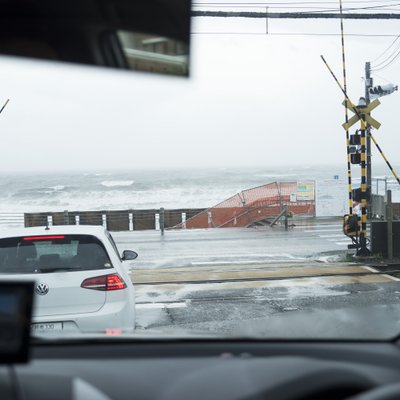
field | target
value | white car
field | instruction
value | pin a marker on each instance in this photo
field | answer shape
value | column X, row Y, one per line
column 81, row 282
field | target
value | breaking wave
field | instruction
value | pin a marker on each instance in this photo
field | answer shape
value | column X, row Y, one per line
column 117, row 183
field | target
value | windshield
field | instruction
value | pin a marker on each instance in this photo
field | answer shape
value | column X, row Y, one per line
column 252, row 209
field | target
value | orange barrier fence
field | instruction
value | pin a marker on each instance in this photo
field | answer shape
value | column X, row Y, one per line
column 257, row 204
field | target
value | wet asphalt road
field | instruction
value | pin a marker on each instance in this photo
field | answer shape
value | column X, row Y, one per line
column 346, row 311
column 203, row 282
column 205, row 246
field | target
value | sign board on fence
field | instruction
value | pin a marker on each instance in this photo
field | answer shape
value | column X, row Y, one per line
column 305, row 191
column 293, row 197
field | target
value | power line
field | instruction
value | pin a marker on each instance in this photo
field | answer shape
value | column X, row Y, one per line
column 295, row 34
column 363, row 8
column 391, row 54
column 380, row 66
column 380, row 77
column 323, row 9
column 299, row 6
column 293, row 15
column 267, row 4
column 389, row 63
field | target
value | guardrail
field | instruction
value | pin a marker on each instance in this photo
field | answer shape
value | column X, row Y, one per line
column 12, row 219
column 115, row 220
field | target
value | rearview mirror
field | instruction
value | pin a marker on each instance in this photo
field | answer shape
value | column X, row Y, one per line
column 129, row 255
column 145, row 35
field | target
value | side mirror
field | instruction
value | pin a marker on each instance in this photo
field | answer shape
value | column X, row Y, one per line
column 129, row 255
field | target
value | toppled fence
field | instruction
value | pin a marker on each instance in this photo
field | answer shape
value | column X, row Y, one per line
column 257, row 204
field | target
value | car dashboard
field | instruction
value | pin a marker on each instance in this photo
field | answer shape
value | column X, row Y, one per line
column 205, row 369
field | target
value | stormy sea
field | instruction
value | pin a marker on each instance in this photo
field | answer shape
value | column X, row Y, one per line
column 173, row 188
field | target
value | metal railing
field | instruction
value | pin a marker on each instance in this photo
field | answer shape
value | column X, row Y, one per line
column 114, row 220
column 12, row 219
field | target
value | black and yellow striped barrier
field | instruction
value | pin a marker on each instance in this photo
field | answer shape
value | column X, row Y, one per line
column 350, row 198
column 384, row 157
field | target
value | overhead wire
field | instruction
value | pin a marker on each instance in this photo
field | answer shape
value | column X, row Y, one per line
column 384, row 7
column 298, row 15
column 387, row 58
column 395, row 57
column 267, row 4
column 359, row 8
column 316, row 8
column 387, row 49
column 381, row 77
column 295, row 15
column 310, row 4
column 294, row 34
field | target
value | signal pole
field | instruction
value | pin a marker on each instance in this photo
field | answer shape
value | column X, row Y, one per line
column 363, row 250
column 368, row 85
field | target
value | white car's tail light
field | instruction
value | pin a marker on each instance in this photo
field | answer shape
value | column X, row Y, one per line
column 104, row 283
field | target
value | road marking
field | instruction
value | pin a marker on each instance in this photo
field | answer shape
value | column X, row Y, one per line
column 279, row 260
column 189, row 255
column 322, row 230
column 331, row 236
column 370, row 269
column 319, row 226
column 181, row 304
column 393, row 278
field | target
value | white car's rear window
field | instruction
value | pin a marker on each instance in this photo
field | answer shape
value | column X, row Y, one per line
column 52, row 253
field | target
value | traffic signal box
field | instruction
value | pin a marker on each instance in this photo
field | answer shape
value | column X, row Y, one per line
column 355, row 150
column 357, row 195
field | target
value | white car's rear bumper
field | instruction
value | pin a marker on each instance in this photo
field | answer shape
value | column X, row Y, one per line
column 114, row 316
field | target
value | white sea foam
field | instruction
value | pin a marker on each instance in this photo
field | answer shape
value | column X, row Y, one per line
column 57, row 187
column 117, row 183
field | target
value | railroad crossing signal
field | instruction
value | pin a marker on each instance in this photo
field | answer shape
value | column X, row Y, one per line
column 363, row 111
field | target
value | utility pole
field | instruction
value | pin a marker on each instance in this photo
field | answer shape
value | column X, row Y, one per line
column 368, row 85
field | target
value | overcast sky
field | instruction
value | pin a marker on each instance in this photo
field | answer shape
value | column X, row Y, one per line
column 251, row 100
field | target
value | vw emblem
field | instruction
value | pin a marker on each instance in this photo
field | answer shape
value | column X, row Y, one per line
column 42, row 289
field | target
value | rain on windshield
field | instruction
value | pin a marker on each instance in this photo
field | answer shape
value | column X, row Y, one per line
column 233, row 185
